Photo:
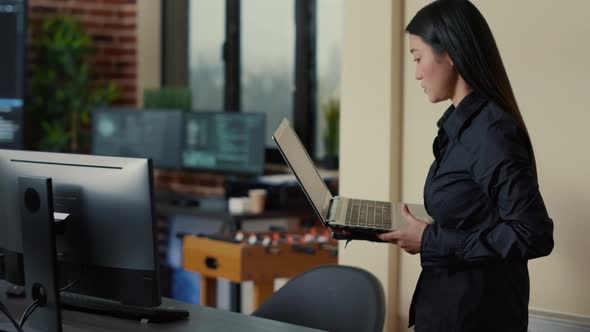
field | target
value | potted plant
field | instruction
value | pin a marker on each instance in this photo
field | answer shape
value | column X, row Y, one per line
column 61, row 90
column 168, row 97
column 331, row 112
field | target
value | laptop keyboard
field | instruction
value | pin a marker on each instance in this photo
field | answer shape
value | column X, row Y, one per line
column 370, row 214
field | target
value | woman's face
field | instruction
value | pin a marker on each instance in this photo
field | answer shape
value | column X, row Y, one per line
column 435, row 72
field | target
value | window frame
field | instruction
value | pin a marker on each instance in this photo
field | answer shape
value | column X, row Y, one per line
column 175, row 16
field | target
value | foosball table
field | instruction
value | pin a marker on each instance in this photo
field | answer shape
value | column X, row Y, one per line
column 260, row 258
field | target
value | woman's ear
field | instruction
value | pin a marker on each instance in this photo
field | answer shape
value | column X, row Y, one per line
column 450, row 60
column 447, row 58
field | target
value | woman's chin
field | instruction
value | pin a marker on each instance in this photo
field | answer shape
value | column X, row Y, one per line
column 434, row 99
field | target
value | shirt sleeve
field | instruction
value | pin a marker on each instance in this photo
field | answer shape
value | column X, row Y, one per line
column 502, row 169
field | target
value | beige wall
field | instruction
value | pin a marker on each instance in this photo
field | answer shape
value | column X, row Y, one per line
column 149, row 38
column 545, row 47
column 371, row 92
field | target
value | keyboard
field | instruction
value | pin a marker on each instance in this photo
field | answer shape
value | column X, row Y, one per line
column 106, row 307
column 369, row 214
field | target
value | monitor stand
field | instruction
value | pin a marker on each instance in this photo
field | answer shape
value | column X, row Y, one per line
column 39, row 250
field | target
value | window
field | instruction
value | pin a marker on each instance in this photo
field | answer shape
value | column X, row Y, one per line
column 329, row 49
column 268, row 53
column 206, row 38
column 280, row 57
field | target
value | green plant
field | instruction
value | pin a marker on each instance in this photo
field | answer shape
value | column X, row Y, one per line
column 331, row 111
column 61, row 91
column 168, row 97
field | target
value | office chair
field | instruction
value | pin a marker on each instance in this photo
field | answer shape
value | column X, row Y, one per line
column 329, row 297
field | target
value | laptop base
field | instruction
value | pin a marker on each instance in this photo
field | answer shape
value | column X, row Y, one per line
column 356, row 234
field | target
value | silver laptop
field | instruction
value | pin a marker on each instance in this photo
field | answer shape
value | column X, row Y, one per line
column 355, row 215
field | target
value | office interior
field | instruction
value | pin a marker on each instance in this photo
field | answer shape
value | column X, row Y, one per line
column 168, row 68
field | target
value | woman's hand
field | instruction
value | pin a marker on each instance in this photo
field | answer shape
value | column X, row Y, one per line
column 408, row 238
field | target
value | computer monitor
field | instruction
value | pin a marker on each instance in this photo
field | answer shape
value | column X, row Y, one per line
column 108, row 242
column 137, row 133
column 224, row 142
column 13, row 34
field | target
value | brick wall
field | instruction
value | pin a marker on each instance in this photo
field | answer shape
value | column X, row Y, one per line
column 189, row 183
column 112, row 24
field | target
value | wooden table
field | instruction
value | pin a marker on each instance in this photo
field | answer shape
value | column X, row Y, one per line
column 240, row 262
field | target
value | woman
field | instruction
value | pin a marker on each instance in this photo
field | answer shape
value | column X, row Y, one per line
column 481, row 190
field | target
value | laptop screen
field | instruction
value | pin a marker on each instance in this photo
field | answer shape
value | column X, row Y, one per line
column 304, row 169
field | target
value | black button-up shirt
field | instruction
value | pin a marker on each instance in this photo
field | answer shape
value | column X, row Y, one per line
column 489, row 219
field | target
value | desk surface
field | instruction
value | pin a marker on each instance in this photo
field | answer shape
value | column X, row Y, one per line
column 201, row 319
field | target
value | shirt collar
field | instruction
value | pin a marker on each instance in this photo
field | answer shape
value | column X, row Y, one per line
column 454, row 119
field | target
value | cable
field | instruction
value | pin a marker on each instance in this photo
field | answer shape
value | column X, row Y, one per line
column 29, row 311
column 72, row 284
column 7, row 313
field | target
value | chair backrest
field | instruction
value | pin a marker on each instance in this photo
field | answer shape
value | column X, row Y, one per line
column 329, row 297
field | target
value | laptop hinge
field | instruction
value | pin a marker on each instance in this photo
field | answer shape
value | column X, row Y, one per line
column 332, row 210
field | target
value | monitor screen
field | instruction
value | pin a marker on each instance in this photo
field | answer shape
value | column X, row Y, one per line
column 108, row 242
column 135, row 133
column 10, row 127
column 12, row 71
column 224, row 142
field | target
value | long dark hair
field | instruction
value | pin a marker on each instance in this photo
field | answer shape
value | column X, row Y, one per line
column 459, row 29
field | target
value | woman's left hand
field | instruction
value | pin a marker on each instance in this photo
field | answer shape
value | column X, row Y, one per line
column 408, row 238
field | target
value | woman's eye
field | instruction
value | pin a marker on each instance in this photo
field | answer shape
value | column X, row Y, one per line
column 416, row 60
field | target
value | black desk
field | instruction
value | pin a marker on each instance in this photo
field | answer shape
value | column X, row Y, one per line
column 201, row 319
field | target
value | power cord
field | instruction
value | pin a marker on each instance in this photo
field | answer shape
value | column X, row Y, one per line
column 72, row 284
column 29, row 311
column 12, row 320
